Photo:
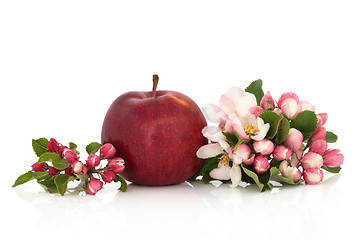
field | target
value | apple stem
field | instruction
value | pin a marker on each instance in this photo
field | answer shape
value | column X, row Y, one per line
column 155, row 83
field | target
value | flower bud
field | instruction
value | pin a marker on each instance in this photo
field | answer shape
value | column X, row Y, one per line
column 288, row 95
column 39, row 167
column 290, row 108
column 107, row 151
column 261, row 164
column 313, row 176
column 250, row 160
column 53, row 145
column 267, row 102
column 320, row 133
column 93, row 160
column 294, row 140
column 241, row 153
column 319, row 146
column 311, row 160
column 289, row 171
column 77, row 166
column 69, row 171
column 322, row 118
column 296, row 158
column 333, row 158
column 69, row 155
column 281, row 153
column 85, row 169
column 264, row 147
column 94, row 186
column 108, row 176
column 53, row 171
column 117, row 165
column 305, row 105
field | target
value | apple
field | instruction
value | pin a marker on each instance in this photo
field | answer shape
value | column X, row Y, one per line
column 157, row 134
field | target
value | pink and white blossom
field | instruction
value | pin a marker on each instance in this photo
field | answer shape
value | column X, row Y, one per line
column 320, row 133
column 281, row 153
column 318, row 146
column 333, row 158
column 311, row 160
column 261, row 164
column 94, row 186
column 290, row 107
column 267, row 102
column 294, row 140
column 264, row 147
column 286, row 96
column 305, row 105
column 289, row 171
column 313, row 176
column 296, row 157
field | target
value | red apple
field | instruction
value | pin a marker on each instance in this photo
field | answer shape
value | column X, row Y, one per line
column 157, row 134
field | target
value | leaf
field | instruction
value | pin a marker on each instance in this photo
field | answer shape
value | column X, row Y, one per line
column 73, row 147
column 206, row 178
column 332, row 169
column 48, row 185
column 273, row 119
column 93, row 147
column 124, row 185
column 331, row 137
column 288, row 180
column 61, row 182
column 233, row 138
column 283, row 131
column 40, row 146
column 60, row 164
column 261, row 180
column 253, row 176
column 48, row 157
column 23, row 178
column 305, row 122
column 40, row 175
column 256, row 88
column 209, row 164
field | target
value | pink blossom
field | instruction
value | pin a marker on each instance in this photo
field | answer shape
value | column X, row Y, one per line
column 313, row 176
column 39, row 167
column 117, row 165
column 53, row 145
column 296, row 158
column 333, row 158
column 53, row 171
column 305, row 105
column 322, row 118
column 250, row 160
column 69, row 155
column 94, row 186
column 318, row 146
column 77, row 166
column 311, row 160
column 290, row 107
column 93, row 160
column 264, row 147
column 286, row 96
column 261, row 164
column 281, row 153
column 267, row 102
column 241, row 153
column 289, row 171
column 319, row 133
column 294, row 140
column 108, row 176
column 107, row 151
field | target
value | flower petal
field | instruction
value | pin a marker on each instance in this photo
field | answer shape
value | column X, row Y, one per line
column 227, row 105
column 213, row 113
column 235, row 175
column 262, row 132
column 235, row 94
column 209, row 150
column 210, row 132
column 222, row 172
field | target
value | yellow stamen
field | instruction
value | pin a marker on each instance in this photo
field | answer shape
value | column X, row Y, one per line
column 224, row 160
column 250, row 130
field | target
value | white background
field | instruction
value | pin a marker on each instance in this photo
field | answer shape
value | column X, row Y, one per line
column 62, row 63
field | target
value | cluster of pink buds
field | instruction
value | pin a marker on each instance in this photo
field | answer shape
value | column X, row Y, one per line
column 97, row 170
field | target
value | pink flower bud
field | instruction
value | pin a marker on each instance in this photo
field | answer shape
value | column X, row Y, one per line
column 305, row 105
column 250, row 160
column 39, row 167
column 322, row 118
column 333, row 158
column 77, row 166
column 281, row 153
column 296, row 158
column 290, row 108
column 267, row 102
column 107, row 151
column 294, row 140
column 288, row 95
column 319, row 146
column 264, row 147
column 69, row 155
column 69, row 171
column 53, row 171
column 85, row 169
column 261, row 164
column 94, row 186
column 311, row 160
column 93, row 160
column 241, row 153
column 108, row 176
column 117, row 165
column 313, row 176
column 319, row 133
column 289, row 171
column 53, row 145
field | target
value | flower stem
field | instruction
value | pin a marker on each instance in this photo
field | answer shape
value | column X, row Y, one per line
column 155, row 83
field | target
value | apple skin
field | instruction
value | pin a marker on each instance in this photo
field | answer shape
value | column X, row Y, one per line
column 157, row 137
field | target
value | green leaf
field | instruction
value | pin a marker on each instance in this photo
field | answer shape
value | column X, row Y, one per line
column 206, row 178
column 40, row 175
column 40, row 146
column 23, row 178
column 253, row 176
column 332, row 169
column 49, row 185
column 123, row 186
column 256, row 88
column 48, row 157
column 283, row 131
column 93, row 147
column 331, row 137
column 305, row 122
column 73, row 147
column 61, row 182
column 60, row 164
column 261, row 180
column 288, row 180
column 233, row 138
column 208, row 165
column 273, row 119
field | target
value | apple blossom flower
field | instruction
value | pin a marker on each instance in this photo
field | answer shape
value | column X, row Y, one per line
column 93, row 160
column 322, row 118
column 94, row 186
column 296, row 158
column 294, row 140
column 214, row 113
column 53, row 145
column 108, row 176
column 235, row 176
column 250, row 160
column 77, row 166
column 241, row 153
column 257, row 129
column 53, row 171
column 320, row 133
column 305, row 105
column 209, row 150
column 264, row 147
column 290, row 107
column 267, row 102
column 222, row 172
column 333, row 158
column 69, row 155
column 281, row 153
column 107, row 151
column 39, row 167
column 313, row 176
column 261, row 164
column 286, row 96
column 318, row 146
column 116, row 164
column 289, row 171
column 311, row 160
